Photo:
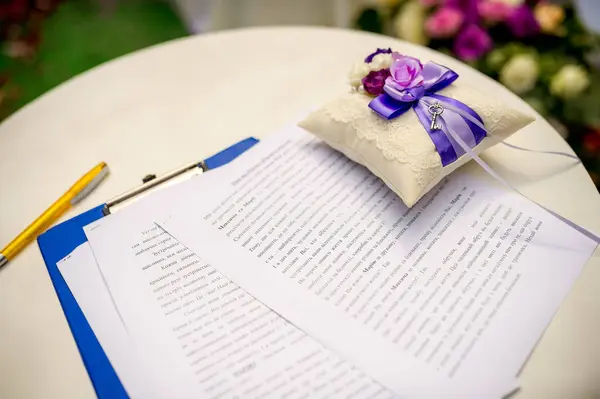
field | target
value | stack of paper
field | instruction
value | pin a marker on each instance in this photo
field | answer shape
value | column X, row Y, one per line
column 294, row 272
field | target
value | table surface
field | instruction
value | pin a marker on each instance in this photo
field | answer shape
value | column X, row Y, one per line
column 162, row 107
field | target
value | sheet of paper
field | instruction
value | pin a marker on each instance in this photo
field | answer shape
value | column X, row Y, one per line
column 80, row 271
column 461, row 286
column 201, row 330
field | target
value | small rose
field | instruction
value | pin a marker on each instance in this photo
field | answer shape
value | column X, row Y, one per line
column 444, row 23
column 357, row 73
column 569, row 82
column 591, row 142
column 494, row 10
column 520, row 73
column 472, row 42
column 380, row 61
column 405, row 72
column 406, row 80
column 375, row 80
column 522, row 22
column 549, row 17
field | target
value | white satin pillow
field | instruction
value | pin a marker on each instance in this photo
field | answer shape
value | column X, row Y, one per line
column 399, row 151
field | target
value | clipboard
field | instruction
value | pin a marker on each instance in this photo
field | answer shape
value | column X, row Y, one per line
column 61, row 240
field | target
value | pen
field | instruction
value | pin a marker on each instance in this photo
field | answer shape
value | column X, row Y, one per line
column 76, row 193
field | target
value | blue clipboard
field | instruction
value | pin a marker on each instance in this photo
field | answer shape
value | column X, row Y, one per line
column 60, row 241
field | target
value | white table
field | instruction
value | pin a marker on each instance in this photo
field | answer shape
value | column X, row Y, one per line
column 162, row 107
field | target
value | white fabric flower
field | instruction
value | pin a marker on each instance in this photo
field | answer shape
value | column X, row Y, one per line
column 520, row 73
column 569, row 82
column 357, row 73
column 380, row 61
column 409, row 24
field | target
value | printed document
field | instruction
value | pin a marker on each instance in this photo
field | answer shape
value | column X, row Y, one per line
column 203, row 333
column 454, row 292
column 80, row 271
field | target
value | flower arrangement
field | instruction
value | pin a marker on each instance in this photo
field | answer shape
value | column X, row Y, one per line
column 537, row 48
column 399, row 82
column 412, row 123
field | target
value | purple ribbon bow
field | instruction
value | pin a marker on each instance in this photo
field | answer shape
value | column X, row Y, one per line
column 422, row 98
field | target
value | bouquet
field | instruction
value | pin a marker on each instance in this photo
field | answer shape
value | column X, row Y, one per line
column 538, row 49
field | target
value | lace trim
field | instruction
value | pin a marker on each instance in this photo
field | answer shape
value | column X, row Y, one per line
column 404, row 140
column 400, row 139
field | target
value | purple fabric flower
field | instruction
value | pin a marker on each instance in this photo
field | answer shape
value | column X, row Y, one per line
column 379, row 51
column 522, row 22
column 405, row 72
column 375, row 80
column 472, row 42
column 467, row 7
column 406, row 78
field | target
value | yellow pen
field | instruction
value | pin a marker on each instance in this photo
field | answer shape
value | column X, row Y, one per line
column 79, row 191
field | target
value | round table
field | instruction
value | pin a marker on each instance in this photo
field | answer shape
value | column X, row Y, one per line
column 162, row 107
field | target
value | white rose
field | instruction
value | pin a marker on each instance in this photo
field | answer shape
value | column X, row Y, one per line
column 381, row 61
column 409, row 23
column 520, row 73
column 513, row 3
column 357, row 73
column 569, row 82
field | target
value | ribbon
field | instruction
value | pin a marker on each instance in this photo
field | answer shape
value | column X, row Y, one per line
column 457, row 128
column 394, row 103
column 467, row 149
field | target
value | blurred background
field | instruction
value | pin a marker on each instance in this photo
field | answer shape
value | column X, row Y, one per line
column 546, row 51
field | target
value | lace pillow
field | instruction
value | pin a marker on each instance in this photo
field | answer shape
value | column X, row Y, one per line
column 400, row 151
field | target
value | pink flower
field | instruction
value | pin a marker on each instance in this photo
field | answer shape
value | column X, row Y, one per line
column 472, row 42
column 494, row 10
column 467, row 7
column 444, row 23
column 405, row 72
